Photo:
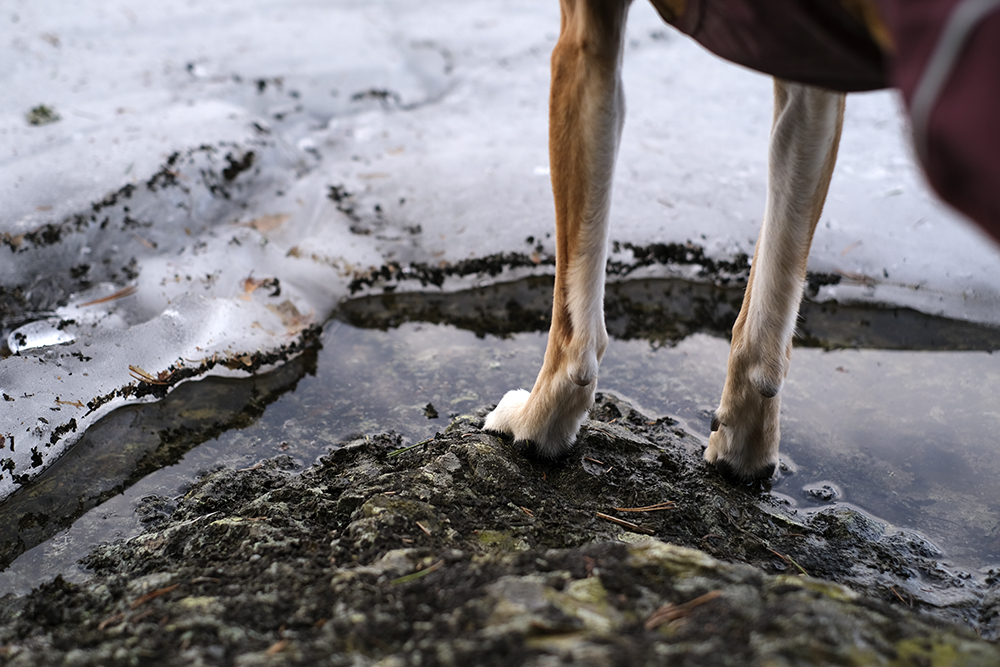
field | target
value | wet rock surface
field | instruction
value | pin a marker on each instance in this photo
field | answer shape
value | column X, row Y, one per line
column 463, row 550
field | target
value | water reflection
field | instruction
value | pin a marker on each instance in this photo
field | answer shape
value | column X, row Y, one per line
column 132, row 443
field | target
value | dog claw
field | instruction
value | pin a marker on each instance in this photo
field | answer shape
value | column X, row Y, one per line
column 716, row 423
column 730, row 474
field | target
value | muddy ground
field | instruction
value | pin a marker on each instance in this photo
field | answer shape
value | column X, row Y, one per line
column 465, row 550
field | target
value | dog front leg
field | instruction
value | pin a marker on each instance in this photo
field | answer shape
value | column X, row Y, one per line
column 803, row 149
column 586, row 111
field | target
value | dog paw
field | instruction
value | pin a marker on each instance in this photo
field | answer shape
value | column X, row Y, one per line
column 744, row 448
column 548, row 421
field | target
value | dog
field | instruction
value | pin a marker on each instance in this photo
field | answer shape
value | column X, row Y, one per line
column 818, row 50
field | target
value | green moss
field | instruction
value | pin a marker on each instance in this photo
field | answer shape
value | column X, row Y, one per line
column 827, row 588
column 202, row 604
column 943, row 651
column 411, row 509
column 589, row 590
column 587, row 600
column 500, row 541
column 675, row 559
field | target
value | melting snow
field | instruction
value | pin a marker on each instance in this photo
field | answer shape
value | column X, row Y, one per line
column 208, row 180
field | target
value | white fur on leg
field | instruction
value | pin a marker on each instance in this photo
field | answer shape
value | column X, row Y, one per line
column 803, row 149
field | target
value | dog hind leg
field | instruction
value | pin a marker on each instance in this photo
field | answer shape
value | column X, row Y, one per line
column 586, row 111
column 803, row 149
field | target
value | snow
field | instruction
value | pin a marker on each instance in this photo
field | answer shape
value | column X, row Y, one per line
column 377, row 133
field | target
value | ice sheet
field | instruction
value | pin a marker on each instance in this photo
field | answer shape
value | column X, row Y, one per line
column 223, row 174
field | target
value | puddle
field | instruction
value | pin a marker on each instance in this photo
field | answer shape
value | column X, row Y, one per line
column 887, row 410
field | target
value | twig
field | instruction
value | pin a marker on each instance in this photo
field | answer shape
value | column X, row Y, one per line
column 587, row 458
column 120, row 294
column 109, row 620
column 601, row 430
column 417, row 575
column 789, row 560
column 628, row 524
column 406, row 449
column 152, row 596
column 148, row 244
column 800, row 568
column 141, row 375
column 423, row 527
column 668, row 505
column 671, row 612
column 277, row 647
column 857, row 277
column 143, row 615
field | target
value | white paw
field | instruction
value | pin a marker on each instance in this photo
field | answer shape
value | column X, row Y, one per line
column 505, row 415
column 548, row 419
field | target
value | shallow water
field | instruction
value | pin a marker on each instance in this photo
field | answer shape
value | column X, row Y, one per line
column 907, row 435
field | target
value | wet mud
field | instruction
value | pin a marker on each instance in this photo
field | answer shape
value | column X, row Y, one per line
column 462, row 549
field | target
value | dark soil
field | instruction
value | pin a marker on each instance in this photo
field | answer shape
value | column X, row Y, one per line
column 462, row 550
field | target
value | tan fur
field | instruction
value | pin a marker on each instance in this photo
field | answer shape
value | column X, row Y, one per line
column 586, row 110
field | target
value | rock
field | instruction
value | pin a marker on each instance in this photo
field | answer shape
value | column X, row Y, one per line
column 461, row 550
